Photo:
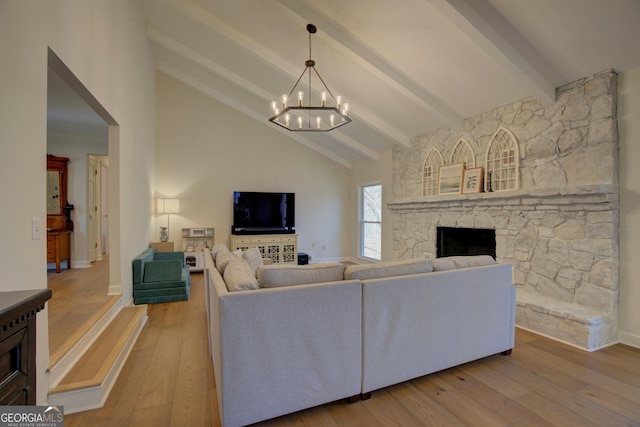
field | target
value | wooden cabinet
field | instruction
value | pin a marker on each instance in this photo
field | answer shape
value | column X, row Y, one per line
column 162, row 246
column 59, row 224
column 281, row 248
column 59, row 247
column 18, row 345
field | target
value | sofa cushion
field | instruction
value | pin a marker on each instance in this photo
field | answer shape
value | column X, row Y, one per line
column 162, row 271
column 222, row 258
column 453, row 262
column 253, row 257
column 238, row 276
column 388, row 269
column 276, row 275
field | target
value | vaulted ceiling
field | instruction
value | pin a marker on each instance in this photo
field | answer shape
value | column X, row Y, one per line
column 406, row 66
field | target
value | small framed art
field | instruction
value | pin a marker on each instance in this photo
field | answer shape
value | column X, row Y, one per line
column 450, row 179
column 472, row 180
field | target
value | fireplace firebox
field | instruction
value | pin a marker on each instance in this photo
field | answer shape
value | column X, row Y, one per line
column 453, row 241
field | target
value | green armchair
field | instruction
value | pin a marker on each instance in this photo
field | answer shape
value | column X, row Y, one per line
column 160, row 277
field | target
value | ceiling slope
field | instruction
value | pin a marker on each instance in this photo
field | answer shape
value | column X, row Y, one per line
column 406, row 67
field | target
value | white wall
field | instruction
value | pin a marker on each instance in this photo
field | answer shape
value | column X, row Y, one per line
column 207, row 150
column 629, row 128
column 373, row 172
column 103, row 43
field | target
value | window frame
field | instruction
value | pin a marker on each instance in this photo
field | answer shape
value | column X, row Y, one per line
column 362, row 222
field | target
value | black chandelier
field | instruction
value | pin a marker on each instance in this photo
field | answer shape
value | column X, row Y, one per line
column 309, row 118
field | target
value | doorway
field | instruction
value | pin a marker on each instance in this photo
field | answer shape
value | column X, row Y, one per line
column 78, row 127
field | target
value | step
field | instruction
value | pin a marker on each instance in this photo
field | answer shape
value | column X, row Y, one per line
column 82, row 332
column 88, row 383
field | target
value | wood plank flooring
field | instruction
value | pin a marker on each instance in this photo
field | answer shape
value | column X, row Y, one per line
column 79, row 299
column 168, row 381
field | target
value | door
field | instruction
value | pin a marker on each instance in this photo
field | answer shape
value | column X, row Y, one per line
column 92, row 209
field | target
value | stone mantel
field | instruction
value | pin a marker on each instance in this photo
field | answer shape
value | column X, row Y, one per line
column 604, row 194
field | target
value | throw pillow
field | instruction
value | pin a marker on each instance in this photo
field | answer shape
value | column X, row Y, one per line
column 388, row 269
column 222, row 259
column 276, row 275
column 217, row 248
column 253, row 257
column 238, row 276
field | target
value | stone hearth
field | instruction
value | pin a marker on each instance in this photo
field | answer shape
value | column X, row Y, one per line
column 559, row 230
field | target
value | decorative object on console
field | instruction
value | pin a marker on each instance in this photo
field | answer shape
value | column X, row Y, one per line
column 167, row 206
column 322, row 118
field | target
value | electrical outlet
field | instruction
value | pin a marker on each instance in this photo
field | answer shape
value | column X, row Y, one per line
column 36, row 229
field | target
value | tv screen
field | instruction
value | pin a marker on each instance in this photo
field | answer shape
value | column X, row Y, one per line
column 258, row 212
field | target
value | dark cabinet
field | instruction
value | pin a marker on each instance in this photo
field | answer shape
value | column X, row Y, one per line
column 18, row 345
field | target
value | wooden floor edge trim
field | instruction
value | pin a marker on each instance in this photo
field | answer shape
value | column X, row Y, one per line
column 138, row 313
column 81, row 331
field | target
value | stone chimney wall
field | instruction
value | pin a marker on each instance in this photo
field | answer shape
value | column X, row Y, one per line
column 559, row 230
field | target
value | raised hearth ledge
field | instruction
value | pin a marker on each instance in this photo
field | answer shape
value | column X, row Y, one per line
column 586, row 194
column 573, row 324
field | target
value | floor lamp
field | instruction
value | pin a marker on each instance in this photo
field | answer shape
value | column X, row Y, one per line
column 167, row 206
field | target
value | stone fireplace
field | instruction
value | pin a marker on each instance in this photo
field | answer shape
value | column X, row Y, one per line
column 559, row 230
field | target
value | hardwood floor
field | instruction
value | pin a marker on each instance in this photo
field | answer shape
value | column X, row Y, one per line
column 79, row 299
column 168, row 381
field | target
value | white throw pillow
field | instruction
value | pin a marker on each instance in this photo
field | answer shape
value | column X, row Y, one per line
column 217, row 248
column 253, row 257
column 222, row 259
column 238, row 276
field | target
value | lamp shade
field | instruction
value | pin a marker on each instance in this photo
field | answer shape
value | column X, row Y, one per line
column 168, row 206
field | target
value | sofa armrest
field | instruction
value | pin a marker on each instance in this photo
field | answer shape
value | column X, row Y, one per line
column 267, row 261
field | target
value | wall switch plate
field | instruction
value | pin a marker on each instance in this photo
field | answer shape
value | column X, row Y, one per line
column 36, row 229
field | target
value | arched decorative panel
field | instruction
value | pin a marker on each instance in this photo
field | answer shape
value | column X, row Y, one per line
column 432, row 163
column 502, row 162
column 463, row 153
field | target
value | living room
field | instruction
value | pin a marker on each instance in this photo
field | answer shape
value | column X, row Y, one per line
column 200, row 154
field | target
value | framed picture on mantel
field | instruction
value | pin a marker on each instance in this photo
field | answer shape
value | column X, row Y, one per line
column 450, row 179
column 472, row 180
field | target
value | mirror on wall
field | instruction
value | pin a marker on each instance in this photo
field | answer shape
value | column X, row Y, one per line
column 53, row 193
column 58, row 207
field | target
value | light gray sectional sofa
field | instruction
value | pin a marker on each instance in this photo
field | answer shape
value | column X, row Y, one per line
column 280, row 349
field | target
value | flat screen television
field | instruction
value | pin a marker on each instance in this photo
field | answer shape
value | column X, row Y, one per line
column 263, row 213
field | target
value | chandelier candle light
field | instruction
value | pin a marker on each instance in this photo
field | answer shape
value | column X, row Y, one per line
column 308, row 118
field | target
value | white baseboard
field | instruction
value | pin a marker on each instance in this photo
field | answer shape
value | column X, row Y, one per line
column 628, row 338
column 80, row 264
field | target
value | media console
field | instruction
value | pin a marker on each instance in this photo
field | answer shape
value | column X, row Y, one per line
column 281, row 248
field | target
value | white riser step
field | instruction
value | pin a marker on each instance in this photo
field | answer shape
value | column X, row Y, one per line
column 88, row 383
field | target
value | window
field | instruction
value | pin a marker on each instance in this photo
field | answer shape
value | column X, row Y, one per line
column 371, row 221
